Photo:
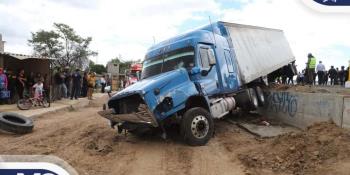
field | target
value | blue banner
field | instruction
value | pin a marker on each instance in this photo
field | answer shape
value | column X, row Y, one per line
column 26, row 172
column 334, row 2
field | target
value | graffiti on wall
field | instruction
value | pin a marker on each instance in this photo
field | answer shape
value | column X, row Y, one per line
column 284, row 102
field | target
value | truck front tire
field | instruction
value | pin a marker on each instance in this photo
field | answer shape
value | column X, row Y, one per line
column 197, row 126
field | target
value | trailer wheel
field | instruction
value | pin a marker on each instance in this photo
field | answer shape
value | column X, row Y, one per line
column 197, row 126
column 252, row 103
column 260, row 95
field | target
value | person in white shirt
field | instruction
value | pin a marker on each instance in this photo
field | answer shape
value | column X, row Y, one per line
column 38, row 90
column 320, row 69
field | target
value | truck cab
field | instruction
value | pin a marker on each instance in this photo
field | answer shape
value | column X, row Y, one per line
column 190, row 80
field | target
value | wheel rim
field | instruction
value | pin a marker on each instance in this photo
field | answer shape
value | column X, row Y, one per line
column 200, row 126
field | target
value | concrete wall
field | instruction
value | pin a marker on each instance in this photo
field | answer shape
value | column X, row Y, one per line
column 346, row 112
column 112, row 68
column 304, row 109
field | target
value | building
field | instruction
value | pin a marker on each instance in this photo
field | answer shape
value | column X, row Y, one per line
column 112, row 68
column 30, row 63
column 2, row 44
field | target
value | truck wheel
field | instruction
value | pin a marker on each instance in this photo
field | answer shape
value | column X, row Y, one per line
column 260, row 95
column 252, row 103
column 197, row 126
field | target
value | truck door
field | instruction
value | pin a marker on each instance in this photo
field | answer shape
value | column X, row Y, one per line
column 231, row 77
column 208, row 83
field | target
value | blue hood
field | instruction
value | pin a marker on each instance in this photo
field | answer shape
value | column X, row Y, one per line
column 175, row 84
column 150, row 83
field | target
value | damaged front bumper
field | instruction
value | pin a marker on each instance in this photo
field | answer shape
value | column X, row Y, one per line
column 141, row 116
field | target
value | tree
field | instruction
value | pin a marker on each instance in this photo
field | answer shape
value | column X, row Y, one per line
column 63, row 44
column 98, row 68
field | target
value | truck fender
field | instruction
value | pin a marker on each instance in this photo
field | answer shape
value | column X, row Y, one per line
column 197, row 101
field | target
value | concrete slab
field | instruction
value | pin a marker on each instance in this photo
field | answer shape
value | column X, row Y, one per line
column 267, row 131
column 61, row 105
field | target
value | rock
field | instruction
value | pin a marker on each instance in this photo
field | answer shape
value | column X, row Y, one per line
column 280, row 160
column 292, row 148
column 316, row 153
column 293, row 134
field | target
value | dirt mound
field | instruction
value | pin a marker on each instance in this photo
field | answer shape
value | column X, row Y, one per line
column 302, row 153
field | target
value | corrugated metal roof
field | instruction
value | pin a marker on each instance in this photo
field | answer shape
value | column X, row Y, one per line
column 22, row 56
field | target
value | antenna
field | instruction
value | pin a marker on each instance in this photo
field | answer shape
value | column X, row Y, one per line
column 212, row 29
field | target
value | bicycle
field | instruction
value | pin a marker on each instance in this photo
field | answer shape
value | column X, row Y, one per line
column 28, row 102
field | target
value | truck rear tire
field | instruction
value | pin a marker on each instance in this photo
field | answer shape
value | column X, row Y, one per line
column 260, row 95
column 253, row 102
column 197, row 126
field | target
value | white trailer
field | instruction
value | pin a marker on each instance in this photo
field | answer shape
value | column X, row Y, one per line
column 258, row 51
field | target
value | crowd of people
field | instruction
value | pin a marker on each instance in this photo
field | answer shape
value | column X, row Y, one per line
column 65, row 84
column 332, row 76
column 74, row 85
column 14, row 86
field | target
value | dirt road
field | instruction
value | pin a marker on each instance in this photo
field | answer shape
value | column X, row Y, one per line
column 85, row 141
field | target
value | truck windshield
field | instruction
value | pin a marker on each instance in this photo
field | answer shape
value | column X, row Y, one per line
column 181, row 58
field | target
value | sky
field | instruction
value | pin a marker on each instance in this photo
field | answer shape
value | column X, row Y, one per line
column 129, row 28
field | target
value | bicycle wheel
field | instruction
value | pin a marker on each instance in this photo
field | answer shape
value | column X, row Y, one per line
column 24, row 104
column 46, row 103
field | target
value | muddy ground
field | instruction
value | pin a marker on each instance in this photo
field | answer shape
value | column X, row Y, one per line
column 85, row 141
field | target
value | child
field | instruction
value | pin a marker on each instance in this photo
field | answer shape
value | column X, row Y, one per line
column 38, row 90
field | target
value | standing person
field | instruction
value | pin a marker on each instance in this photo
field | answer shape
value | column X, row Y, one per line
column 347, row 74
column 311, row 64
column 320, row 69
column 11, row 78
column 46, row 83
column 336, row 80
column 21, row 83
column 325, row 78
column 67, row 81
column 61, row 90
column 103, row 84
column 341, row 75
column 3, row 82
column 91, row 84
column 84, row 88
column 290, row 74
column 76, row 80
column 30, row 83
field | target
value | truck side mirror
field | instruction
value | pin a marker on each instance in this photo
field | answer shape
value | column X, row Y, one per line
column 212, row 60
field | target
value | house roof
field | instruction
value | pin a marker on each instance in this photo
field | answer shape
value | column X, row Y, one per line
column 22, row 56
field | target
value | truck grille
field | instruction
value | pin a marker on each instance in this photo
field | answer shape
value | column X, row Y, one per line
column 131, row 109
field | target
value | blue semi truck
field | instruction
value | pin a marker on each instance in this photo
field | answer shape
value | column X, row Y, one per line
column 194, row 78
